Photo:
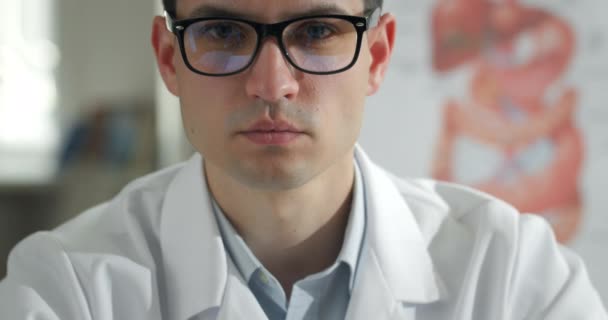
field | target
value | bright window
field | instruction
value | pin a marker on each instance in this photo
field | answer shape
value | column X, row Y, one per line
column 28, row 93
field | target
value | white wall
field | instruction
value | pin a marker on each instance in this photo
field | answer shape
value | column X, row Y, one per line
column 106, row 53
column 28, row 96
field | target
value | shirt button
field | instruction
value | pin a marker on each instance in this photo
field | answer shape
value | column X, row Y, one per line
column 264, row 278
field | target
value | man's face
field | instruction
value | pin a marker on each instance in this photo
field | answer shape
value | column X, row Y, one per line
column 315, row 119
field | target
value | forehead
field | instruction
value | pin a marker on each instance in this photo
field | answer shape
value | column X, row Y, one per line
column 268, row 10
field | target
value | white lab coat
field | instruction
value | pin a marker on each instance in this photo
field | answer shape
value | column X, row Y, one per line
column 432, row 251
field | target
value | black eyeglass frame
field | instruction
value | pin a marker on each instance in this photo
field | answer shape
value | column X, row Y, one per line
column 361, row 24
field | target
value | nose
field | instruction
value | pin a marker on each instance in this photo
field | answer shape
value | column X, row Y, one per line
column 271, row 77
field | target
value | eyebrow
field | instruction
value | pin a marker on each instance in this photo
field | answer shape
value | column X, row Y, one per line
column 217, row 11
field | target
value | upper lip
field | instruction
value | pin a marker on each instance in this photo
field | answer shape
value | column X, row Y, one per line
column 272, row 126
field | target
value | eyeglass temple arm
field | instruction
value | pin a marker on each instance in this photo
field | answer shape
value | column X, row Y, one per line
column 168, row 21
column 374, row 18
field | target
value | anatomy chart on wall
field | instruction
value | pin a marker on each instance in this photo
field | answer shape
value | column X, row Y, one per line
column 511, row 127
column 507, row 96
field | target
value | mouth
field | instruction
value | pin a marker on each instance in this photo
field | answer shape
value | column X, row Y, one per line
column 268, row 132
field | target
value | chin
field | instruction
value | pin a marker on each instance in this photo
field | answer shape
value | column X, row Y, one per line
column 273, row 177
column 273, row 182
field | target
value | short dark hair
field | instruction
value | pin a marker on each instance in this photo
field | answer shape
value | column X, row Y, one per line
column 170, row 5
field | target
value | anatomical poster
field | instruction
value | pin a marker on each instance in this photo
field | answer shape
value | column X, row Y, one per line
column 509, row 97
column 512, row 132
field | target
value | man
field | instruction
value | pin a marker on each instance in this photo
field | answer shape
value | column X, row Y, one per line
column 285, row 217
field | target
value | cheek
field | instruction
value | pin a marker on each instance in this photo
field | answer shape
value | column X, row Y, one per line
column 342, row 103
column 199, row 130
column 204, row 110
column 348, row 92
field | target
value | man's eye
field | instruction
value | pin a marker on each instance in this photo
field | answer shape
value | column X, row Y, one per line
column 221, row 31
column 315, row 31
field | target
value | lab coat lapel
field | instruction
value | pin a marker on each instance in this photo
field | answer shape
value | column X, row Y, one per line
column 371, row 297
column 194, row 258
column 239, row 303
column 395, row 269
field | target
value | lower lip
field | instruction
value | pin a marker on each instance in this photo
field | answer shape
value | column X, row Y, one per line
column 271, row 138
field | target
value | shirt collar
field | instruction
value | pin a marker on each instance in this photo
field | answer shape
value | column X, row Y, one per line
column 237, row 249
column 247, row 263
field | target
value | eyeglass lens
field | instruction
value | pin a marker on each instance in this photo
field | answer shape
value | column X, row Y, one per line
column 225, row 46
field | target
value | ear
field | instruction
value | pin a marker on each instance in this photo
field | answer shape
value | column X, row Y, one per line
column 164, row 43
column 381, row 40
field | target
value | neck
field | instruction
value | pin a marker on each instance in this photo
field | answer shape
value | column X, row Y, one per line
column 294, row 232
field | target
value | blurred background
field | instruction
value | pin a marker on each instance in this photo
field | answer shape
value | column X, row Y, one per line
column 81, row 113
column 505, row 96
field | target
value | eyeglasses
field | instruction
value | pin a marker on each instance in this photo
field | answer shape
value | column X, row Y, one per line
column 320, row 44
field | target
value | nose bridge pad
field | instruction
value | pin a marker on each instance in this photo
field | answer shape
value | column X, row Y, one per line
column 275, row 32
column 280, row 80
column 271, row 30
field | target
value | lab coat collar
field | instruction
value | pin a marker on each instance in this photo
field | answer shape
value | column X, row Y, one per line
column 395, row 264
column 396, row 250
column 237, row 293
column 194, row 258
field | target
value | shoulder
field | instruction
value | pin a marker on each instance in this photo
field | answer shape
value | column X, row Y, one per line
column 483, row 248
column 444, row 205
column 134, row 212
column 452, row 213
column 459, row 214
column 110, row 251
column 122, row 226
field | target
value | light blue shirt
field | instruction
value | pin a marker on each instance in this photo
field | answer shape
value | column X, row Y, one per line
column 324, row 295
